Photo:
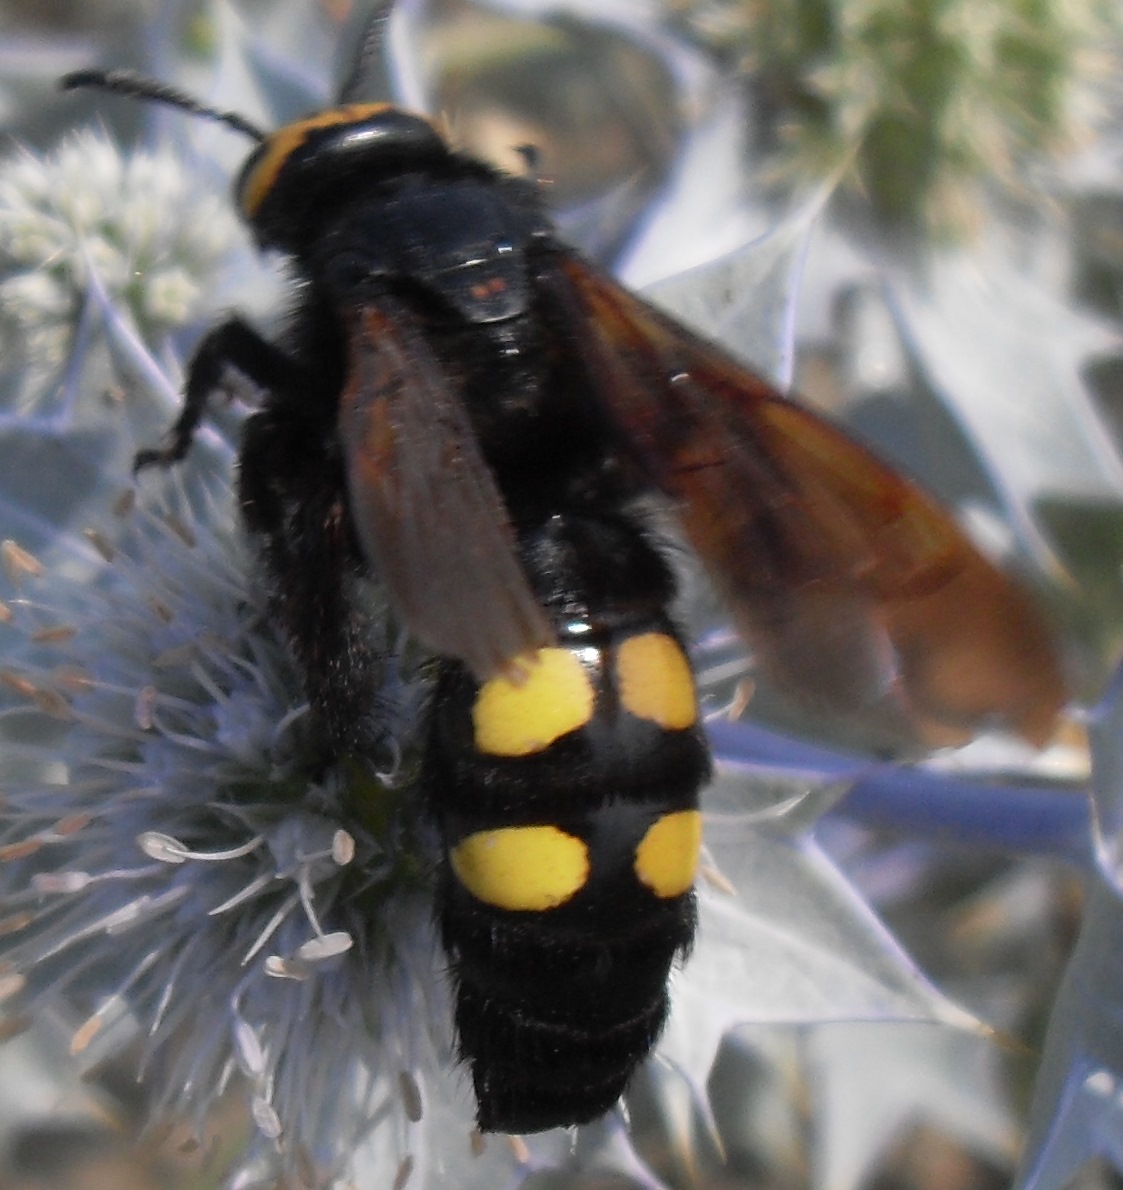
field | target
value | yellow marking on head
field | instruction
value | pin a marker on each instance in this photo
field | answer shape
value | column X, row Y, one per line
column 667, row 856
column 529, row 868
column 277, row 148
column 655, row 680
column 520, row 715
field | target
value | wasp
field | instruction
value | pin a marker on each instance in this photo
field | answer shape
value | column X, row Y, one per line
column 464, row 407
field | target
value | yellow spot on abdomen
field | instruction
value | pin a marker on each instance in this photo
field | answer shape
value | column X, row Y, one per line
column 667, row 857
column 655, row 680
column 518, row 717
column 521, row 867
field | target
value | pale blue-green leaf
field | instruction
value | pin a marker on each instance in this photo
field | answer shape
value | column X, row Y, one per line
column 293, row 55
column 745, row 299
column 702, row 213
column 1004, row 353
column 711, row 260
column 671, row 1117
column 793, row 943
column 1077, row 1110
column 757, row 1091
column 1105, row 731
column 604, row 1150
column 869, row 1083
column 760, row 796
column 275, row 81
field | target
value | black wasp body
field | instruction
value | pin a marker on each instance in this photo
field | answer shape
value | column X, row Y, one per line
column 421, row 315
column 428, row 417
column 466, row 409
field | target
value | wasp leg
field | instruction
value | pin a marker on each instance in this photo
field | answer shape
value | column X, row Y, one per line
column 291, row 490
column 233, row 344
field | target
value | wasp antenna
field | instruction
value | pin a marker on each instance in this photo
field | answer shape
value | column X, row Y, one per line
column 125, row 82
column 369, row 76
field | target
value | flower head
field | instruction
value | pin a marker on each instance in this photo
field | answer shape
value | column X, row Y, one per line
column 177, row 851
column 87, row 207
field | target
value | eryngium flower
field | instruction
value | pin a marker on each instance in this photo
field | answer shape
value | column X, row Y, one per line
column 178, row 855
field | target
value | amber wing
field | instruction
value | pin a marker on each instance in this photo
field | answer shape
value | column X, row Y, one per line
column 425, row 504
column 854, row 588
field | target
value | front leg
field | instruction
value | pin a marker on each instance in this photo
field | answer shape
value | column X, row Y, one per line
column 231, row 344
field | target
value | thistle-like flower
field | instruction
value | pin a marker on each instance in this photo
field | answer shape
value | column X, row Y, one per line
column 88, row 209
column 177, row 851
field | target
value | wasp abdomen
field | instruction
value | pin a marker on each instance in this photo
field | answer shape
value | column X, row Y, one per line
column 567, row 796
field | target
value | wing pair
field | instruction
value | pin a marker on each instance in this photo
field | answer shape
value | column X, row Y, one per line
column 853, row 586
